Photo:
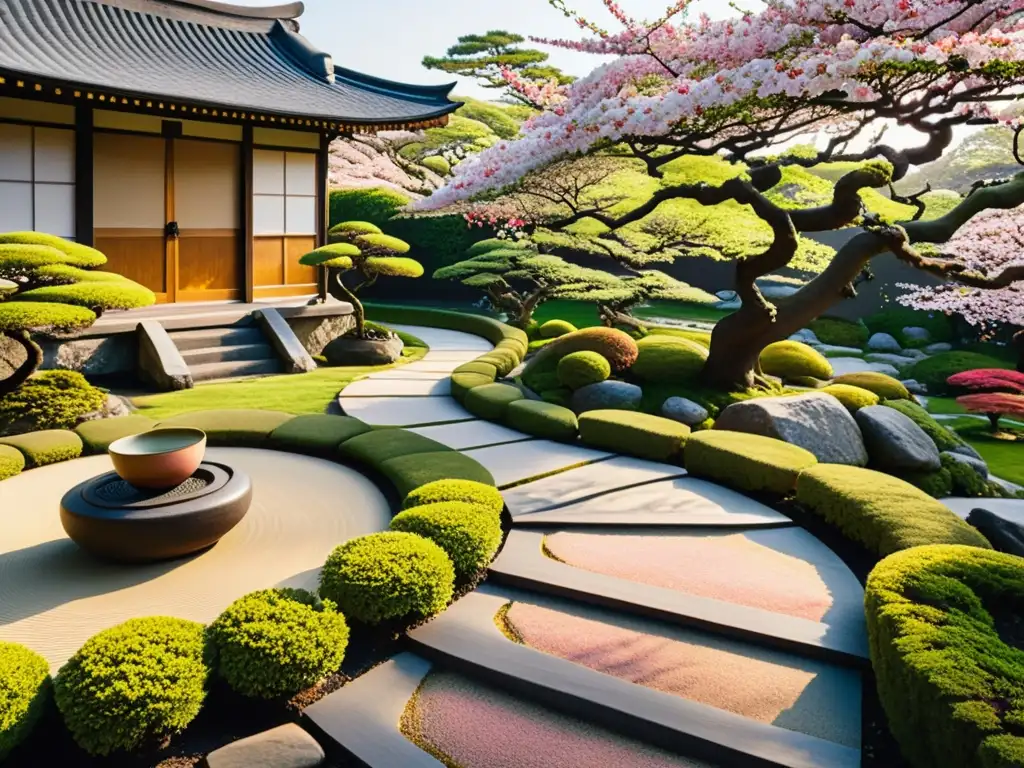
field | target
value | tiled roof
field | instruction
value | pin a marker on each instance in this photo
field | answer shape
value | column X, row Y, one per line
column 203, row 52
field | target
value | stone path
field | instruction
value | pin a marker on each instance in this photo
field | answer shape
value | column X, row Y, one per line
column 635, row 615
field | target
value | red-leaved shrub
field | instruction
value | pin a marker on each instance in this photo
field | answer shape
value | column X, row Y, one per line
column 995, row 405
column 989, row 380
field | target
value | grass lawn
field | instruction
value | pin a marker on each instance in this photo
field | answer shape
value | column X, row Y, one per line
column 1004, row 457
column 584, row 314
column 945, row 405
column 676, row 310
column 296, row 393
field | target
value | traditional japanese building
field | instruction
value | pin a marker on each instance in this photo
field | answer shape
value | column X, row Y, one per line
column 186, row 139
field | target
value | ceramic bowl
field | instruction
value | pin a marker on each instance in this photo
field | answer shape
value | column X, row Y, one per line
column 161, row 458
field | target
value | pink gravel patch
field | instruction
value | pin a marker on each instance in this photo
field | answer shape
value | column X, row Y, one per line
column 473, row 726
column 763, row 685
column 733, row 568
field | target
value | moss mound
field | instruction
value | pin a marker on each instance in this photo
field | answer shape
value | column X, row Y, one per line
column 12, row 461
column 879, row 511
column 635, row 434
column 407, row 473
column 388, row 576
column 618, row 348
column 886, row 387
column 700, row 337
column 840, row 333
column 668, row 360
column 464, row 381
column 380, row 445
column 934, row 371
column 490, row 401
column 853, row 398
column 542, row 419
column 99, row 434
column 24, row 691
column 944, row 634
column 49, row 400
column 243, row 427
column 582, row 368
column 468, row 533
column 792, row 359
column 944, row 439
column 894, row 319
column 468, row 491
column 552, row 329
column 747, row 462
column 316, row 434
column 47, row 447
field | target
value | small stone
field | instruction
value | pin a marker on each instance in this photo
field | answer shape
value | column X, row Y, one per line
column 287, row 746
column 844, row 365
column 917, row 354
column 965, row 449
column 915, row 387
column 348, row 350
column 896, row 361
column 727, row 306
column 978, row 465
column 935, row 349
column 805, row 335
column 606, row 394
column 917, row 334
column 831, row 350
column 895, row 443
column 884, row 342
column 778, row 291
column 727, row 295
column 684, row 411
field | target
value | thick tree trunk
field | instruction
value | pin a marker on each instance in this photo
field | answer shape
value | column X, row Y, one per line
column 993, row 420
column 341, row 291
column 529, row 306
column 32, row 362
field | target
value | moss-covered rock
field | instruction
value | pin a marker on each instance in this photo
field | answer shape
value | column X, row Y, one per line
column 747, row 462
column 668, row 360
column 47, row 447
column 790, row 359
column 243, row 427
column 379, row 445
column 854, row 398
column 542, row 419
column 12, row 461
column 635, row 434
column 97, row 435
column 316, row 434
column 552, row 329
column 840, row 333
column 886, row 387
column 49, row 400
column 491, row 400
column 409, row 472
column 618, row 348
column 582, row 368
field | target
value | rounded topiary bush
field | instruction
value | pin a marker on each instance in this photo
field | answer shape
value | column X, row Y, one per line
column 490, row 401
column 745, row 461
column 467, row 491
column 853, row 398
column 668, row 359
column 934, row 371
column 582, row 368
column 12, row 461
column 134, row 683
column 468, row 533
column 389, row 575
column 886, row 387
column 618, row 348
column 791, row 359
column 351, row 229
column 49, row 400
column 552, row 329
column 277, row 642
column 840, row 333
column 542, row 419
column 24, row 689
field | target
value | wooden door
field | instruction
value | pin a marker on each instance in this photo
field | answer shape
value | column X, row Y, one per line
column 206, row 194
column 130, row 201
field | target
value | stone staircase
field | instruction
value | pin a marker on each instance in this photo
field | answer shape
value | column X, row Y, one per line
column 227, row 352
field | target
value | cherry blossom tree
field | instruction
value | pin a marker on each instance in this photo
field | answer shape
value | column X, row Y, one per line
column 739, row 87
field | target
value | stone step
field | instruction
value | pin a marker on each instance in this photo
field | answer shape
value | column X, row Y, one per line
column 216, row 337
column 236, row 369
column 227, row 354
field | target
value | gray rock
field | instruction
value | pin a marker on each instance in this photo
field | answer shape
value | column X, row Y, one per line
column 831, row 350
column 778, row 291
column 895, row 443
column 287, row 746
column 889, row 358
column 728, row 306
column 806, row 335
column 965, row 449
column 117, row 354
column 814, row 421
column 918, row 334
column 935, row 349
column 978, row 465
column 844, row 365
column 727, row 295
column 917, row 354
column 915, row 387
column 684, row 411
column 317, row 332
column 346, row 350
column 606, row 394
column 884, row 342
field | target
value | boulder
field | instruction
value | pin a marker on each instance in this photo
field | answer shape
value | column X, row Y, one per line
column 814, row 421
column 965, row 449
column 915, row 387
column 884, row 342
column 727, row 295
column 831, row 350
column 729, row 306
column 895, row 443
column 917, row 334
column 917, row 354
column 287, row 746
column 348, row 350
column 1005, row 535
column 778, row 291
column 844, row 365
column 316, row 332
column 684, row 411
column 889, row 358
column 606, row 394
column 935, row 349
column 806, row 335
column 978, row 465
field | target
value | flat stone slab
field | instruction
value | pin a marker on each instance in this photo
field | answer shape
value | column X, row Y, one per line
column 403, row 373
column 1011, row 510
column 586, row 482
column 682, row 501
column 398, row 388
column 364, row 715
column 403, row 411
column 287, row 746
column 471, row 434
column 441, row 338
column 844, row 365
column 516, row 462
column 437, row 366
column 55, row 596
column 451, row 355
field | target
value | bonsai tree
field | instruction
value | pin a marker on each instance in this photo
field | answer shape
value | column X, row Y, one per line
column 739, row 87
column 995, row 405
column 996, row 392
column 50, row 286
column 360, row 248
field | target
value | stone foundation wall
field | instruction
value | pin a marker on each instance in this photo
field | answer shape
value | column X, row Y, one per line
column 113, row 355
column 315, row 333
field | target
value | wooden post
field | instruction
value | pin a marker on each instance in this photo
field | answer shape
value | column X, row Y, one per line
column 246, row 224
column 84, row 177
column 323, row 207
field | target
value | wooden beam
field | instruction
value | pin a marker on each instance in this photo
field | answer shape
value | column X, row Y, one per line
column 245, row 241
column 84, row 181
column 323, row 167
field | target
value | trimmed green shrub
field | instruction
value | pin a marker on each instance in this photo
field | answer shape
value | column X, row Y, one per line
column 950, row 681
column 788, row 359
column 318, row 434
column 21, row 315
column 894, row 319
column 380, row 445
column 491, row 400
column 668, row 360
column 355, row 228
column 496, row 244
column 468, row 491
column 389, row 575
column 618, row 348
column 944, row 439
column 517, row 346
column 886, row 387
column 542, row 419
column 12, row 461
column 485, row 369
column 700, row 337
column 636, row 434
column 840, row 333
column 552, row 329
column 744, row 461
column 853, row 398
column 75, row 254
column 937, row 483
column 505, row 360
column 461, row 383
column 47, row 447
column 97, row 435
column 141, row 680
column 106, row 294
column 560, row 396
column 934, row 371
column 966, row 481
column 49, row 400
column 374, row 204
column 437, row 240
column 24, row 691
column 243, row 427
column 582, row 368
column 277, row 642
column 469, row 534
column 881, row 512
column 437, row 164
column 409, row 472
